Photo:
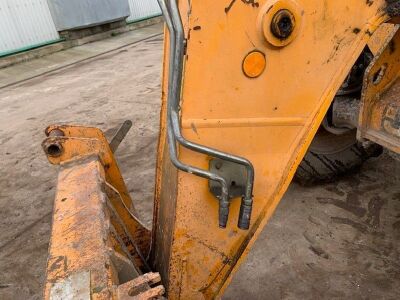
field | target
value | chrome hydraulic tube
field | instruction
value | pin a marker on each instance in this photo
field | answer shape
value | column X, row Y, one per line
column 174, row 23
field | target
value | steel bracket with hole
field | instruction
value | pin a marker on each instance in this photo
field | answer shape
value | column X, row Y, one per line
column 379, row 119
column 93, row 212
column 74, row 145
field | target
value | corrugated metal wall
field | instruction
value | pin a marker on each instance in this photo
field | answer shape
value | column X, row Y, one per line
column 25, row 24
column 143, row 9
column 75, row 14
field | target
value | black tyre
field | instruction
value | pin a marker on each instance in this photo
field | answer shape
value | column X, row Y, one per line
column 331, row 156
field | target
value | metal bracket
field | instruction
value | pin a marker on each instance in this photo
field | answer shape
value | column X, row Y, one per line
column 70, row 143
column 380, row 104
column 145, row 287
column 120, row 135
column 234, row 174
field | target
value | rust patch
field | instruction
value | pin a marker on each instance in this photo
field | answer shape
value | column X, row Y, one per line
column 60, row 262
column 391, row 120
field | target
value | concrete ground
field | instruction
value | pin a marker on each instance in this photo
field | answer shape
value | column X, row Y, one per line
column 332, row 241
column 62, row 59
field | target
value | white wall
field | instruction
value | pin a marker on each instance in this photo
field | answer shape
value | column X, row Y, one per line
column 75, row 14
column 28, row 23
column 25, row 23
column 141, row 9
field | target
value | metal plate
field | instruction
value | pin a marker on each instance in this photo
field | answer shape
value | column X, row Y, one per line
column 76, row 286
column 234, row 174
column 75, row 14
column 380, row 106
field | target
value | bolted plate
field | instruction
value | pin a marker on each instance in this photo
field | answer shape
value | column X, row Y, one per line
column 233, row 173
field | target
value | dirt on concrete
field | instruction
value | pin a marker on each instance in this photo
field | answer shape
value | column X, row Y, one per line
column 332, row 241
column 336, row 240
column 102, row 92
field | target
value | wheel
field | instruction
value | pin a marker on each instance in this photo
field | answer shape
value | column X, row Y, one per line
column 331, row 156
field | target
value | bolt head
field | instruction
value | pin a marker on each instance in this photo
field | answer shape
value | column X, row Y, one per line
column 283, row 23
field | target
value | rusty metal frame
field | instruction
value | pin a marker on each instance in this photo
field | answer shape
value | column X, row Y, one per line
column 94, row 229
column 380, row 104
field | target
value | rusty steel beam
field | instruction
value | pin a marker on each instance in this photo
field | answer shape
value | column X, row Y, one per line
column 98, row 247
column 380, row 103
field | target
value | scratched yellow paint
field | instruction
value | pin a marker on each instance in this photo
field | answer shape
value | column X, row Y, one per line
column 271, row 120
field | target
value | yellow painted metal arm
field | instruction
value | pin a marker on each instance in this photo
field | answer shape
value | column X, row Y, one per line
column 98, row 247
column 267, row 112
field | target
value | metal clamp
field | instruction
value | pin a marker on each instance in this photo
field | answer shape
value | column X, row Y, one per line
column 174, row 23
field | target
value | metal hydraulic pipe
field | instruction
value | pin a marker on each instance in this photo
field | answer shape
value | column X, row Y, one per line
column 247, row 201
column 224, row 198
column 175, row 26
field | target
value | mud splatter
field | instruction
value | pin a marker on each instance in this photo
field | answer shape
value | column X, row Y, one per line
column 358, row 226
column 396, row 226
column 349, row 205
column 335, row 190
column 319, row 251
column 374, row 211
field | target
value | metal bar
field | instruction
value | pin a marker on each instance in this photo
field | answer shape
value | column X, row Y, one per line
column 80, row 231
column 224, row 200
column 88, row 255
column 120, row 135
column 61, row 147
column 174, row 24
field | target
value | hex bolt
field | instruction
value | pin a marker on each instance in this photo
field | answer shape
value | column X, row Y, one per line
column 283, row 23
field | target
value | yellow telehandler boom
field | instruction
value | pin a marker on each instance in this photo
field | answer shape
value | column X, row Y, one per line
column 247, row 86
